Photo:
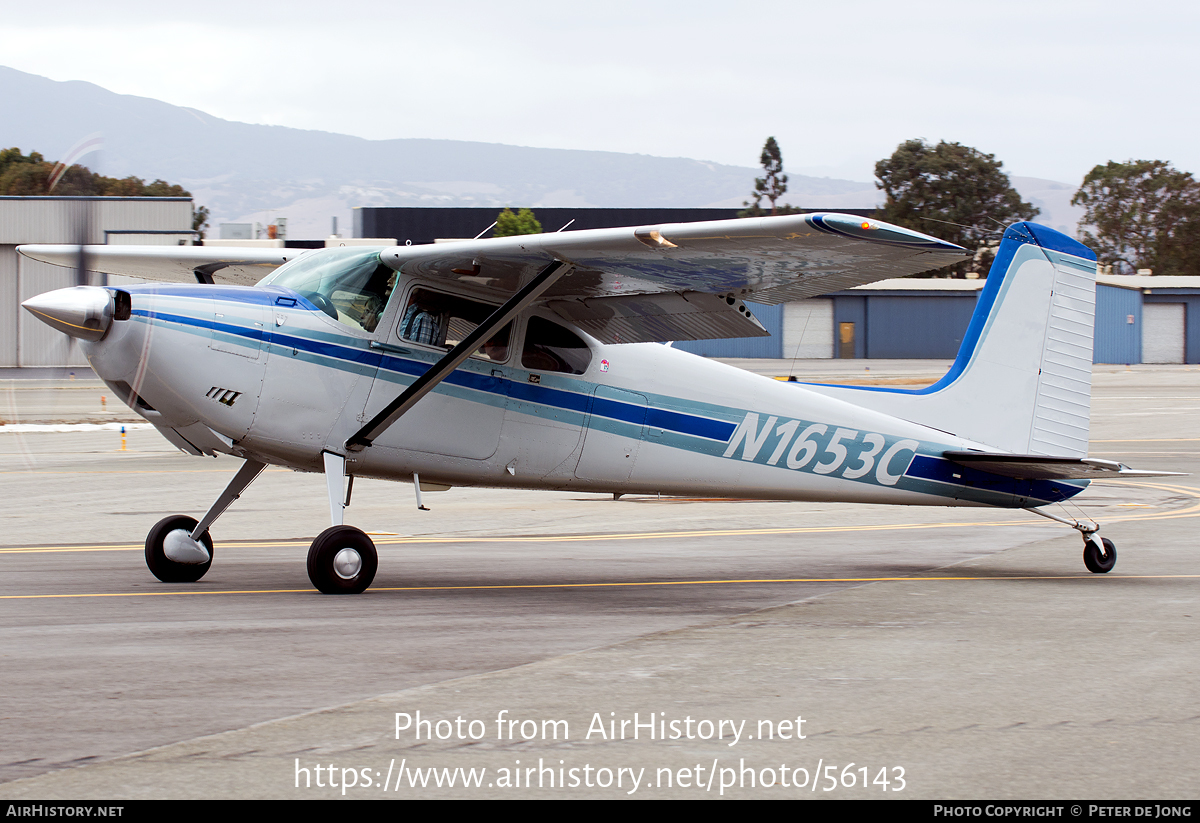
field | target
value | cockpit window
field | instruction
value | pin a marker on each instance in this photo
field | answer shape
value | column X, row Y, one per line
column 351, row 286
column 550, row 347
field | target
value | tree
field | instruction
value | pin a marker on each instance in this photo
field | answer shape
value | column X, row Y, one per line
column 22, row 176
column 200, row 220
column 523, row 222
column 772, row 185
column 25, row 176
column 1144, row 215
column 952, row 191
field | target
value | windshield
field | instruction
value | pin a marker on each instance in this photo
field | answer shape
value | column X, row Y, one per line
column 351, row 286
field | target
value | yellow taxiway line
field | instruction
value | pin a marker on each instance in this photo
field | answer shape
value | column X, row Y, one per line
column 569, row 538
column 627, row 584
column 1190, row 511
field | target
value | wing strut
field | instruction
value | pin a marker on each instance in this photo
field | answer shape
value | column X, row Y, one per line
column 204, row 274
column 440, row 370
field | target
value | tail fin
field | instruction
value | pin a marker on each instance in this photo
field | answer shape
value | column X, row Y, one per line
column 1023, row 376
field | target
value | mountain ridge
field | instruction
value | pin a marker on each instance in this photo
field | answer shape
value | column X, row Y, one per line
column 253, row 172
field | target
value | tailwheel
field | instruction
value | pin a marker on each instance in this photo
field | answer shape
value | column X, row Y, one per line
column 1099, row 554
column 171, row 553
column 342, row 560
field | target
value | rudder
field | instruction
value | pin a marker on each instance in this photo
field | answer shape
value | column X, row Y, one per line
column 1022, row 379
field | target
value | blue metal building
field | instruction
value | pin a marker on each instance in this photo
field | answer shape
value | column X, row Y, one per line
column 1147, row 319
column 1139, row 319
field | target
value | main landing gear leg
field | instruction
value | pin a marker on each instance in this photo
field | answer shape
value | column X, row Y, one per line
column 342, row 560
column 179, row 549
column 1099, row 553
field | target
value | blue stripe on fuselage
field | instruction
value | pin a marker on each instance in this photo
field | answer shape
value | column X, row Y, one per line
column 941, row 470
column 354, row 350
column 707, row 428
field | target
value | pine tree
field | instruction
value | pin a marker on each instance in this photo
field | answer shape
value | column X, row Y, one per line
column 772, row 185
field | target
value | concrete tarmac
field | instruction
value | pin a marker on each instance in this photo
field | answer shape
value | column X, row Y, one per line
column 951, row 653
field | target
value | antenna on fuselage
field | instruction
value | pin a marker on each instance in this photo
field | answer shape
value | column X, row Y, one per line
column 962, row 226
column 569, row 222
column 485, row 231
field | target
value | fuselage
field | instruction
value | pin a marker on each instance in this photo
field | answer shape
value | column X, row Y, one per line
column 262, row 372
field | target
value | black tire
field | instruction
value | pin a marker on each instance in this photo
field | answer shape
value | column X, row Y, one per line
column 324, row 552
column 1092, row 558
column 163, row 567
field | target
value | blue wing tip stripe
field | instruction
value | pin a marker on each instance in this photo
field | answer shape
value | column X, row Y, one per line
column 860, row 228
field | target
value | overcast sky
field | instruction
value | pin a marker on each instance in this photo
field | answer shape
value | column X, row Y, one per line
column 1050, row 88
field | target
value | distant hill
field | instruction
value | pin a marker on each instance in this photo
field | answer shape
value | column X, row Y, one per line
column 243, row 171
column 1054, row 199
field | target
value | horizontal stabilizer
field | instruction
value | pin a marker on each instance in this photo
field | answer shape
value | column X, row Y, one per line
column 1039, row 467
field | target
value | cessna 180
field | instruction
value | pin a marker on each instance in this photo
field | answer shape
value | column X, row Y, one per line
column 536, row 362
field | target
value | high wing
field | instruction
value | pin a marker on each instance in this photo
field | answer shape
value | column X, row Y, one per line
column 684, row 281
column 170, row 264
column 678, row 281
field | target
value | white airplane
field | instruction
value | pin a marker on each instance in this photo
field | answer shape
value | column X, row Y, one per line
column 535, row 362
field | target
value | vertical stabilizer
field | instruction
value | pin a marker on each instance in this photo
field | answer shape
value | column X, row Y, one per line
column 1023, row 376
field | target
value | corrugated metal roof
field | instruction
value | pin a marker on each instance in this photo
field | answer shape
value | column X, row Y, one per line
column 1143, row 281
column 1124, row 281
column 97, row 197
column 922, row 284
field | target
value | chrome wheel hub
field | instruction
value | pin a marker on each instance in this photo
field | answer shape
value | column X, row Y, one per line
column 179, row 547
column 347, row 564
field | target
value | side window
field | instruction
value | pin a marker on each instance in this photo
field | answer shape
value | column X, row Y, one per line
column 550, row 347
column 442, row 320
column 424, row 319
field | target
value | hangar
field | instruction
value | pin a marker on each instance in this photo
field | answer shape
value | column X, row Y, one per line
column 1139, row 319
column 1147, row 319
column 95, row 220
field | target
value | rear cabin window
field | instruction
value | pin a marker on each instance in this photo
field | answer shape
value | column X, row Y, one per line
column 550, row 347
column 435, row 319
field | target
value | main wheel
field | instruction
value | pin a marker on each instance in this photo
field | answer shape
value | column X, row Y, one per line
column 342, row 560
column 172, row 555
column 1096, row 562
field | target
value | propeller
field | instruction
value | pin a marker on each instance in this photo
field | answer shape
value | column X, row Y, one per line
column 81, row 225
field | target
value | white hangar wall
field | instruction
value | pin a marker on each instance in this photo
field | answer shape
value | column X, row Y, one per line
column 94, row 220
